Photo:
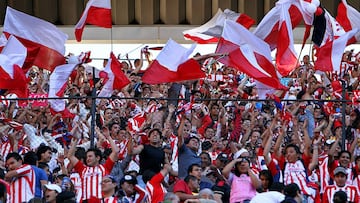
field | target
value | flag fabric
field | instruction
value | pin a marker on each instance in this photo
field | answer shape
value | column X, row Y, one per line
column 172, row 65
column 276, row 30
column 329, row 55
column 114, row 77
column 12, row 77
column 349, row 18
column 210, row 32
column 58, row 81
column 248, row 54
column 44, row 42
column 286, row 56
column 97, row 12
column 326, row 29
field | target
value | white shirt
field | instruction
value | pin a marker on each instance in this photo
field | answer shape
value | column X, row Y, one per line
column 268, row 197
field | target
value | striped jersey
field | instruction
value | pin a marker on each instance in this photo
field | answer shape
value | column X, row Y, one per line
column 22, row 188
column 350, row 190
column 91, row 177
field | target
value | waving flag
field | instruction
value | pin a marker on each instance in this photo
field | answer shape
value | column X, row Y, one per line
column 211, row 31
column 286, row 56
column 329, row 55
column 276, row 29
column 97, row 12
column 326, row 29
column 12, row 58
column 115, row 79
column 58, row 81
column 172, row 65
column 248, row 54
column 349, row 18
column 44, row 42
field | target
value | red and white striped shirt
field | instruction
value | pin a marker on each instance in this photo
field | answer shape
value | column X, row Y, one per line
column 156, row 191
column 91, row 178
column 76, row 180
column 110, row 200
column 324, row 173
column 350, row 190
column 22, row 188
column 297, row 173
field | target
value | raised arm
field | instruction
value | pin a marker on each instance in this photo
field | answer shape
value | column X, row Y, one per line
column 315, row 155
column 307, row 140
column 74, row 141
column 114, row 148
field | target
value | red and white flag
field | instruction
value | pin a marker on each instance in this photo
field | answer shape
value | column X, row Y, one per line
column 349, row 18
column 326, row 29
column 276, row 29
column 97, row 12
column 211, row 31
column 329, row 55
column 286, row 56
column 58, row 82
column 248, row 54
column 172, row 65
column 12, row 58
column 114, row 77
column 43, row 40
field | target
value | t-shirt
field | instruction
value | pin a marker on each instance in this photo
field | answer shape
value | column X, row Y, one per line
column 241, row 188
column 181, row 186
column 40, row 174
column 156, row 191
column 187, row 157
column 268, row 197
column 151, row 158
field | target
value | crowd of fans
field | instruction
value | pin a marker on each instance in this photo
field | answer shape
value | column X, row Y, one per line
column 210, row 140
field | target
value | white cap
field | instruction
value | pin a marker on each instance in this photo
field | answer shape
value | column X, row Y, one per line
column 53, row 187
column 238, row 153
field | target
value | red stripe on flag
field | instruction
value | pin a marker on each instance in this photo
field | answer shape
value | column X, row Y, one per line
column 245, row 20
column 286, row 60
column 99, row 16
column 239, row 61
column 201, row 40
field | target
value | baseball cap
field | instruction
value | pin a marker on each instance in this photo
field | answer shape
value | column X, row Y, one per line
column 238, row 153
column 222, row 157
column 53, row 187
column 129, row 179
column 340, row 169
column 112, row 178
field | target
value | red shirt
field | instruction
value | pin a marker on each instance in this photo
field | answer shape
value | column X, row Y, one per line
column 181, row 186
column 156, row 191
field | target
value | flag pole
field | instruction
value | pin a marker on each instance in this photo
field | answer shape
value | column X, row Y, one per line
column 93, row 111
column 111, row 38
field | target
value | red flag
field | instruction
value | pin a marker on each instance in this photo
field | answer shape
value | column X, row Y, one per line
column 172, row 65
column 349, row 18
column 329, row 55
column 114, row 77
column 248, row 54
column 97, row 12
column 44, row 41
column 210, row 32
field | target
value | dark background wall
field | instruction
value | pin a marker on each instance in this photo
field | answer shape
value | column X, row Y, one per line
column 149, row 12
